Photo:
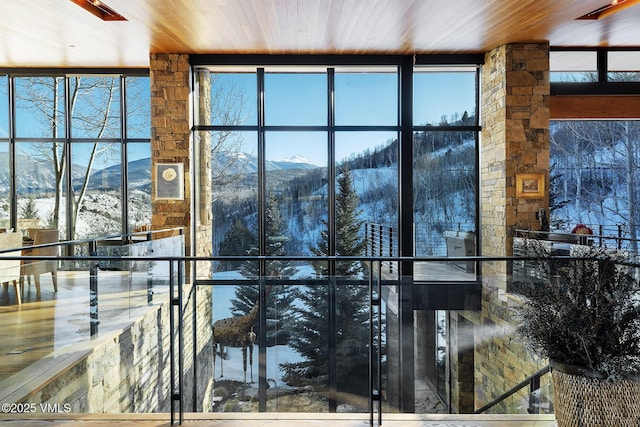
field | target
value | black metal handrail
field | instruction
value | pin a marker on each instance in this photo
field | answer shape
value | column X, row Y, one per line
column 375, row 283
column 533, row 381
column 603, row 236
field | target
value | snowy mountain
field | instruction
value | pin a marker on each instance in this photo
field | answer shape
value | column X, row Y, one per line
column 245, row 163
column 294, row 162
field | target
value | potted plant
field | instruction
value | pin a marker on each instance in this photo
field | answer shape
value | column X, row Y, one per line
column 583, row 314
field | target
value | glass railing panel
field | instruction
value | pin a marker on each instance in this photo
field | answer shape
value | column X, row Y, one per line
column 314, row 362
column 297, row 346
column 87, row 304
column 125, row 287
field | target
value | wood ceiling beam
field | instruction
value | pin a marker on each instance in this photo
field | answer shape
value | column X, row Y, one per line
column 592, row 107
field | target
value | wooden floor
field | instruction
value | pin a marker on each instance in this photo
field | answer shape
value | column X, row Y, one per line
column 39, row 327
column 278, row 419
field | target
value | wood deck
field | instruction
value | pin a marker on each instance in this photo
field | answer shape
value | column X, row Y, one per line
column 277, row 419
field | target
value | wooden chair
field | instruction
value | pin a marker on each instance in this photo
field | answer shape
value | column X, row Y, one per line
column 34, row 268
column 10, row 269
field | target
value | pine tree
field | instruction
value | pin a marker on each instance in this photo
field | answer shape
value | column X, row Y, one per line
column 29, row 210
column 311, row 337
column 236, row 242
column 349, row 240
column 281, row 297
column 275, row 242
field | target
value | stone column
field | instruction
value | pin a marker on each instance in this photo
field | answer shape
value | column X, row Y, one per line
column 515, row 139
column 171, row 137
column 172, row 142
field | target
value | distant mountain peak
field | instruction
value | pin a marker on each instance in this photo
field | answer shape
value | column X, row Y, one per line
column 297, row 158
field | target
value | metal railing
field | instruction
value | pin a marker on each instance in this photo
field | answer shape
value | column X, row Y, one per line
column 605, row 236
column 390, row 304
column 533, row 382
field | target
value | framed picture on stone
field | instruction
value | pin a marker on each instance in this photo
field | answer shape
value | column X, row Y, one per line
column 530, row 185
column 169, row 181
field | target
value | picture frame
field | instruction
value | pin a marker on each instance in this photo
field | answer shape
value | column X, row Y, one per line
column 530, row 185
column 170, row 181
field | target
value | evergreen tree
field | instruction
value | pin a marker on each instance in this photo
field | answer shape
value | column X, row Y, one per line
column 275, row 242
column 236, row 242
column 279, row 316
column 311, row 334
column 349, row 240
column 29, row 210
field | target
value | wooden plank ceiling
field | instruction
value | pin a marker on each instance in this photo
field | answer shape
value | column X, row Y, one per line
column 59, row 33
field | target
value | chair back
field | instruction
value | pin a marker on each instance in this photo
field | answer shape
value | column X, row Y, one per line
column 42, row 236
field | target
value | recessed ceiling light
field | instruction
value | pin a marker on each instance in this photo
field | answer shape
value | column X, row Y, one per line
column 609, row 9
column 99, row 9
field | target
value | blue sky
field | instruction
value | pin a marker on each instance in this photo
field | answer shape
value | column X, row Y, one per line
column 300, row 99
column 27, row 124
column 363, row 99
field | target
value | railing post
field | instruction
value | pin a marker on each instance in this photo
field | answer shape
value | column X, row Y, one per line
column 176, row 377
column 375, row 341
column 93, row 289
column 534, row 400
column 390, row 249
column 149, row 282
column 373, row 239
column 333, row 340
column 600, row 234
column 619, row 236
column 366, row 239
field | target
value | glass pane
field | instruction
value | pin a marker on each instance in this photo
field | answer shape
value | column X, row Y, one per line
column 624, row 61
column 296, row 201
column 352, row 345
column 573, row 66
column 292, row 365
column 138, row 107
column 4, row 105
column 139, row 185
column 366, row 196
column 295, row 99
column 444, row 98
column 5, row 197
column 593, row 180
column 95, row 107
column 294, row 314
column 234, row 99
column 232, row 302
column 366, row 98
column 39, row 188
column 444, row 198
column 40, row 107
column 102, row 187
column 624, row 66
column 234, row 164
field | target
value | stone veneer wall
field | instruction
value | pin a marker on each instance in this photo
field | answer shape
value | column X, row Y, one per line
column 170, row 76
column 515, row 139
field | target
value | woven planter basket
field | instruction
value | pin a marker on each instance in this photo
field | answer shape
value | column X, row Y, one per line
column 585, row 399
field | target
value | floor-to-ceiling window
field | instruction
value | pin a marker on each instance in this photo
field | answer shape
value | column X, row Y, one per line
column 307, row 161
column 77, row 152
